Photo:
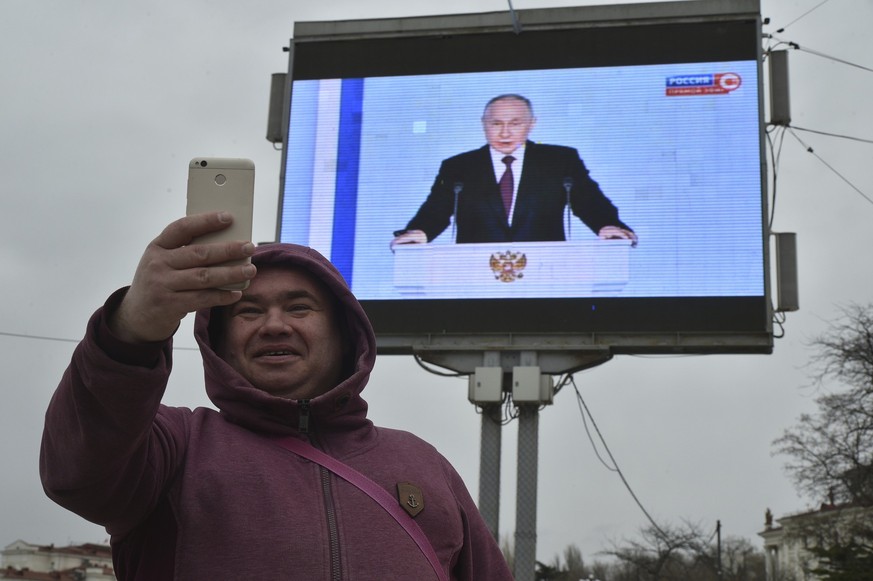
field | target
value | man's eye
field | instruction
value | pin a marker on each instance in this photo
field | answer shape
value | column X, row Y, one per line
column 247, row 311
column 299, row 308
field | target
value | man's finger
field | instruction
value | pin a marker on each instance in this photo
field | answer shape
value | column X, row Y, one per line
column 184, row 230
column 195, row 300
column 210, row 277
column 204, row 255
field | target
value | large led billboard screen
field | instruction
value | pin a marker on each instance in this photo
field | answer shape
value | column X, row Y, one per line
column 635, row 215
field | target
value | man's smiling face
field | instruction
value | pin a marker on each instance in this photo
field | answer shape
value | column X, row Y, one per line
column 283, row 335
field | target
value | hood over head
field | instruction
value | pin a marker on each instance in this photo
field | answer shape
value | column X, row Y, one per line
column 242, row 403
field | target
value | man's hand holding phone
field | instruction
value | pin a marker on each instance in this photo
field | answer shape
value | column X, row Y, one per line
column 200, row 261
column 175, row 277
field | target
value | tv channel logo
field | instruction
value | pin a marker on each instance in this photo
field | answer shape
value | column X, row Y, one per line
column 707, row 84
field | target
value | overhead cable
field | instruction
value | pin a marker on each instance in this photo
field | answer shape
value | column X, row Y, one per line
column 796, row 46
column 861, row 139
column 65, row 340
column 816, row 7
column 829, row 166
column 614, row 463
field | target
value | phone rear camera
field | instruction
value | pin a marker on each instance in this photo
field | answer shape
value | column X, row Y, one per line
column 203, row 163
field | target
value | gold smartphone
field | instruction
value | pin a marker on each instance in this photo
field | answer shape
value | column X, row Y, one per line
column 217, row 183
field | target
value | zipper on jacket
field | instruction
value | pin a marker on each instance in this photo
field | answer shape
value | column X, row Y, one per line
column 336, row 572
column 303, row 417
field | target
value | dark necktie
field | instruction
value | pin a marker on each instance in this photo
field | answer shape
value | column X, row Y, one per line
column 506, row 184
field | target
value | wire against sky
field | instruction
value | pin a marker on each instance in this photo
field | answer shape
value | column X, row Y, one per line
column 829, row 166
column 66, row 340
column 795, row 46
column 861, row 139
column 829, row 57
column 617, row 470
column 816, row 7
column 775, row 155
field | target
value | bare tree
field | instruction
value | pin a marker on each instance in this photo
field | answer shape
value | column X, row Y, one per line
column 572, row 569
column 573, row 562
column 684, row 553
column 660, row 553
column 741, row 561
column 830, row 452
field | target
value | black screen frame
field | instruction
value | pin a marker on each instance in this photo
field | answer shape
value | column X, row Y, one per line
column 634, row 35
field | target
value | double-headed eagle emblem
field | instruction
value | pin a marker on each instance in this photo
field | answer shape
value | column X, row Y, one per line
column 507, row 266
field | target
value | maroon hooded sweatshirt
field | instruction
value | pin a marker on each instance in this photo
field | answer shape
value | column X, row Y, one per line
column 205, row 495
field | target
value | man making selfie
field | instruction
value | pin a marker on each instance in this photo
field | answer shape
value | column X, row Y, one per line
column 204, row 494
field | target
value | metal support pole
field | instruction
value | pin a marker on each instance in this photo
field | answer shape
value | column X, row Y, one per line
column 489, row 451
column 489, row 468
column 526, row 494
column 718, row 558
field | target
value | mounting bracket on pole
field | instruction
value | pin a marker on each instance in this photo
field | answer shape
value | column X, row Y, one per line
column 530, row 386
column 527, row 384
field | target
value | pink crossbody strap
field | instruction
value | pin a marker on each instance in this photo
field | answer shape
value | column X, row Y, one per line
column 372, row 490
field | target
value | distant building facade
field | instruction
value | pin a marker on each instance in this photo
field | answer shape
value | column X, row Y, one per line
column 88, row 562
column 787, row 543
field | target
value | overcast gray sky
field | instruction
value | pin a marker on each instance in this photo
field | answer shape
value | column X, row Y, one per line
column 104, row 103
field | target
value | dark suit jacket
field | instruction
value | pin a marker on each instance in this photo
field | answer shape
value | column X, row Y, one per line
column 539, row 206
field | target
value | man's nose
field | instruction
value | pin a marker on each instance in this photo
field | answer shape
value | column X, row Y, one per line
column 276, row 322
column 504, row 130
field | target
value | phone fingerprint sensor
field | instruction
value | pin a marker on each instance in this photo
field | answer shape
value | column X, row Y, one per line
column 220, row 179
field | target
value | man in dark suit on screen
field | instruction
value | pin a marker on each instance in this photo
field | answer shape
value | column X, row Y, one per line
column 512, row 189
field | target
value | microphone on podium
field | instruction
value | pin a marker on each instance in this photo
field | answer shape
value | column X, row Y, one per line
column 457, row 189
column 568, row 185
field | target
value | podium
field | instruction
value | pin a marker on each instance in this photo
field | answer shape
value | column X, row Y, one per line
column 511, row 270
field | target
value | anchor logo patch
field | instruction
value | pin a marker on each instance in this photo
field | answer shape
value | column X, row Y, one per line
column 410, row 497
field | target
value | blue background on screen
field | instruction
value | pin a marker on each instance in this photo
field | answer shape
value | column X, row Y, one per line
column 349, row 151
